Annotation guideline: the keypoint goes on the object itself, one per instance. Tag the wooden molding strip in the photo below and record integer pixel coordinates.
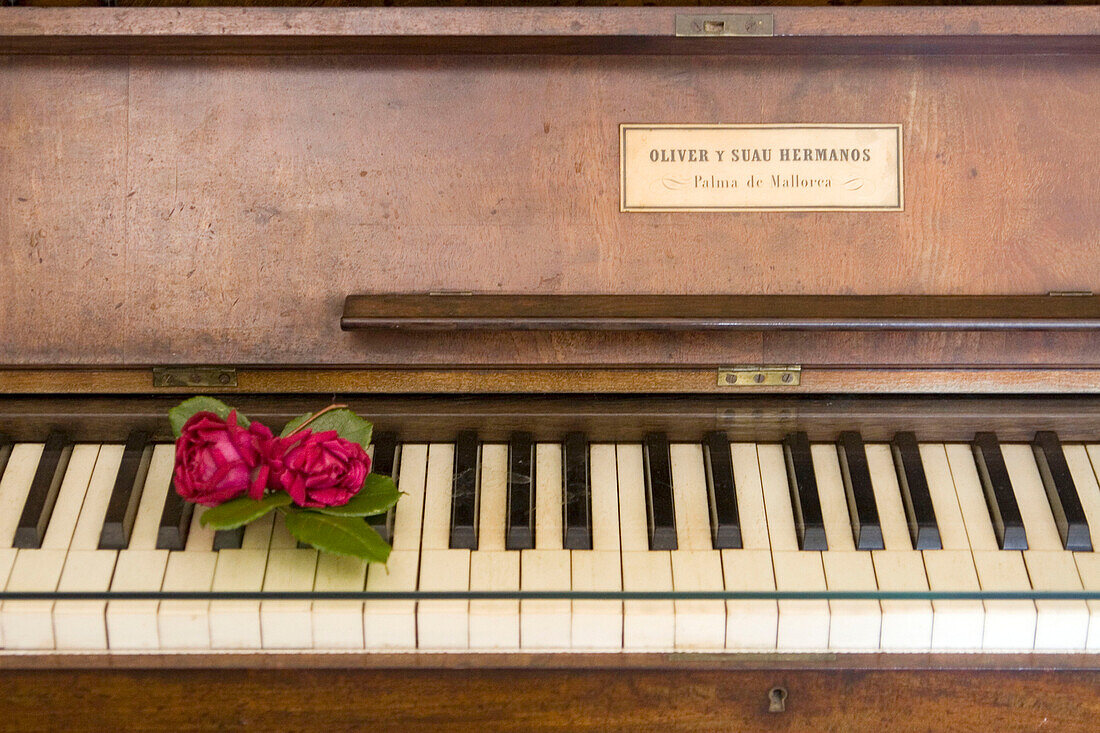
(472, 380)
(446, 312)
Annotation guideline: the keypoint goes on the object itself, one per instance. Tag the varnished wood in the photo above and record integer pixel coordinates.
(190, 171)
(599, 699)
(575, 379)
(508, 312)
(622, 418)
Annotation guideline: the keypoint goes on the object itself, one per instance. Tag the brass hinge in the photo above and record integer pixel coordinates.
(194, 377)
(725, 24)
(760, 376)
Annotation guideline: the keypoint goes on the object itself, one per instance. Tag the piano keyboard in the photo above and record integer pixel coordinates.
(584, 516)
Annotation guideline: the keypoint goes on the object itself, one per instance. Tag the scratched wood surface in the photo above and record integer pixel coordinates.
(219, 209)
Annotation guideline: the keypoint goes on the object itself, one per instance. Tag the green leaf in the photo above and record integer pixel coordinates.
(346, 423)
(338, 535)
(238, 512)
(378, 494)
(293, 424)
(181, 413)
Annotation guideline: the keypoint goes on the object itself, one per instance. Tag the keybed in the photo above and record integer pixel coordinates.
(584, 515)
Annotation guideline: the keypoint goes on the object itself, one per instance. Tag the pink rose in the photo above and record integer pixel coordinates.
(218, 460)
(320, 469)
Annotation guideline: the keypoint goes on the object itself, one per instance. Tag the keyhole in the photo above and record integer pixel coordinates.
(777, 700)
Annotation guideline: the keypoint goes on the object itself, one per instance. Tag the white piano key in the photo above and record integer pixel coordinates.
(603, 473)
(494, 624)
(82, 624)
(15, 484)
(777, 498)
(696, 566)
(186, 624)
(1088, 567)
(7, 561)
(596, 624)
(545, 624)
(803, 624)
(1084, 478)
(1060, 625)
(750, 624)
(409, 513)
(834, 503)
(235, 624)
(443, 624)
(339, 624)
(945, 503)
(133, 624)
(549, 496)
(29, 624)
(140, 567)
(956, 624)
(750, 497)
(853, 624)
(1027, 485)
(1009, 624)
(392, 624)
(436, 533)
(633, 527)
(287, 624)
(689, 497)
(699, 624)
(968, 491)
(648, 625)
(906, 625)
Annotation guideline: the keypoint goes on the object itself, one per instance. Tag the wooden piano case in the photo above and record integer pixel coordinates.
(261, 202)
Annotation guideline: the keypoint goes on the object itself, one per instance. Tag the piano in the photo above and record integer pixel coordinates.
(803, 437)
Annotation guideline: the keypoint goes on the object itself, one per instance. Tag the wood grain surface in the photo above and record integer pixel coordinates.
(545, 700)
(220, 208)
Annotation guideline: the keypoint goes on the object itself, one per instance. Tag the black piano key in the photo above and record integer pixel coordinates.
(383, 462)
(862, 509)
(122, 508)
(660, 510)
(1065, 503)
(229, 539)
(43, 492)
(1000, 499)
(809, 525)
(464, 492)
(521, 494)
(175, 521)
(577, 507)
(725, 524)
(915, 496)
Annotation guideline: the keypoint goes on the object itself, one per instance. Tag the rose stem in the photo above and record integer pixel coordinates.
(314, 417)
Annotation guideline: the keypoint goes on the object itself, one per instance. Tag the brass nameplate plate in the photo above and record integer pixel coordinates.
(760, 168)
(194, 377)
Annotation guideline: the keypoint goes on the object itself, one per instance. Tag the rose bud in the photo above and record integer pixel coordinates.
(218, 460)
(320, 469)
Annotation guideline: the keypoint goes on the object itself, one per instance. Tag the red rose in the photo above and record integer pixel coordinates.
(320, 469)
(218, 460)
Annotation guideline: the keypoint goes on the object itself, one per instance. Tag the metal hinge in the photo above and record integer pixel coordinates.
(725, 24)
(1070, 293)
(194, 377)
(760, 376)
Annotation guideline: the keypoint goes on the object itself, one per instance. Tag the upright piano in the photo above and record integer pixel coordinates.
(738, 366)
